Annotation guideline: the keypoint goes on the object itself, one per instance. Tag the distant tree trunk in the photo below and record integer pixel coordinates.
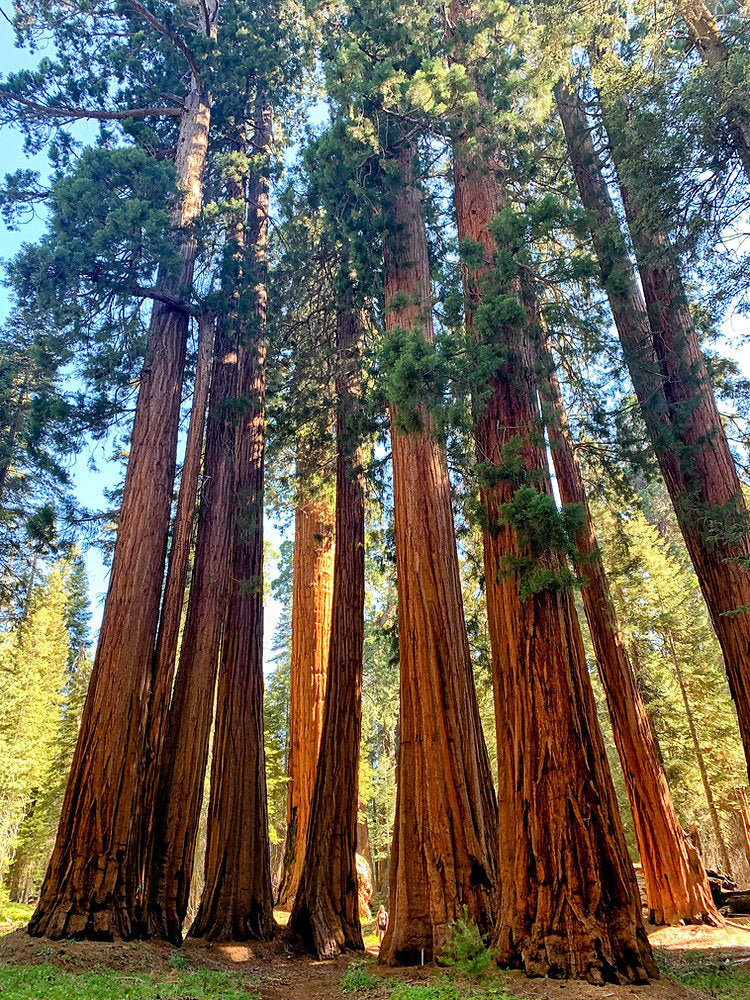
(700, 760)
(91, 888)
(363, 839)
(676, 885)
(744, 813)
(326, 912)
(174, 594)
(237, 902)
(569, 903)
(705, 35)
(445, 829)
(185, 751)
(677, 402)
(312, 594)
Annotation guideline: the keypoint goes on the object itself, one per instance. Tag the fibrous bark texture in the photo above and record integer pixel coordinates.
(91, 888)
(237, 902)
(326, 908)
(443, 857)
(174, 593)
(676, 885)
(186, 744)
(569, 899)
(676, 399)
(312, 596)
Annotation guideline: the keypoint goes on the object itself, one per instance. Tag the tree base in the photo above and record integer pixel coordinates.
(595, 960)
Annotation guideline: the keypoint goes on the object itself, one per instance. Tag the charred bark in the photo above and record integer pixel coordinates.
(443, 857)
(676, 885)
(237, 902)
(91, 888)
(326, 912)
(676, 399)
(312, 595)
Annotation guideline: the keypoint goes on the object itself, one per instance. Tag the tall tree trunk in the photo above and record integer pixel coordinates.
(669, 375)
(237, 903)
(699, 758)
(676, 885)
(569, 900)
(744, 812)
(91, 888)
(326, 912)
(186, 743)
(445, 829)
(705, 35)
(174, 595)
(312, 595)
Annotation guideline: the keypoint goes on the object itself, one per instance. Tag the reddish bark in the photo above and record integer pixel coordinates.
(91, 888)
(186, 743)
(326, 910)
(174, 591)
(443, 856)
(312, 595)
(676, 399)
(237, 902)
(569, 899)
(676, 885)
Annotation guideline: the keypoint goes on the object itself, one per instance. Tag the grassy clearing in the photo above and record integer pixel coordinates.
(714, 977)
(30, 982)
(13, 915)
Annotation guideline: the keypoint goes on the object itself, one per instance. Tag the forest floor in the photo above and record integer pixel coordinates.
(696, 963)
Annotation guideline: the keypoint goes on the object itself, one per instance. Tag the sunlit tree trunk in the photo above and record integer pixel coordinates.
(237, 902)
(700, 760)
(445, 830)
(569, 902)
(91, 888)
(312, 594)
(174, 591)
(676, 399)
(186, 743)
(676, 885)
(325, 912)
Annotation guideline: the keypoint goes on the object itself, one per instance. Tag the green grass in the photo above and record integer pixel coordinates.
(14, 915)
(32, 982)
(714, 978)
(358, 978)
(445, 990)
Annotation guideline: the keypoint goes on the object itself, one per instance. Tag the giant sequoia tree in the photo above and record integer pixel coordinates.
(236, 903)
(673, 388)
(561, 810)
(676, 885)
(326, 908)
(443, 856)
(92, 887)
(441, 331)
(312, 597)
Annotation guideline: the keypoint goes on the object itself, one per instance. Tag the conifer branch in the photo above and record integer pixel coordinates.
(66, 112)
(175, 39)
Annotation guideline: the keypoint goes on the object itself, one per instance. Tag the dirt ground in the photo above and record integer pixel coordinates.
(278, 974)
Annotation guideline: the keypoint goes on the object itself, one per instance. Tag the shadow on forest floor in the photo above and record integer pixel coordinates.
(696, 962)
